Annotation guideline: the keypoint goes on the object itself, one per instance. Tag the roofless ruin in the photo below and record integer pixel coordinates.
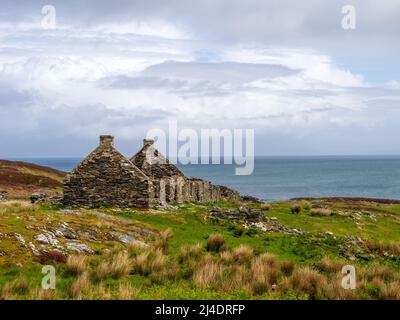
(105, 176)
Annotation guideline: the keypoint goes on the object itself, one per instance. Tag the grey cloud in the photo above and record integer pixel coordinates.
(141, 82)
(231, 72)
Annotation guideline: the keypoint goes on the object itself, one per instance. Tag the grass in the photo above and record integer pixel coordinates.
(117, 266)
(77, 264)
(194, 256)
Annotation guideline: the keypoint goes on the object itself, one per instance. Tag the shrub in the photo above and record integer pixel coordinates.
(295, 208)
(322, 212)
(76, 264)
(215, 243)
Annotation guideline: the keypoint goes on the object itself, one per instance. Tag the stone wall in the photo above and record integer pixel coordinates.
(228, 194)
(107, 177)
(199, 190)
(3, 195)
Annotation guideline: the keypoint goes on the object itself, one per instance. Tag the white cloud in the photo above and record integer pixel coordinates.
(125, 77)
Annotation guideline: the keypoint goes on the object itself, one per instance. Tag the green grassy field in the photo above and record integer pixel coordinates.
(183, 263)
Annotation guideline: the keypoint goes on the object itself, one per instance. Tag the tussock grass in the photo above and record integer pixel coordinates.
(159, 262)
(321, 212)
(141, 263)
(80, 285)
(295, 208)
(215, 243)
(18, 287)
(377, 272)
(308, 281)
(172, 269)
(265, 206)
(390, 291)
(327, 264)
(287, 267)
(163, 239)
(127, 292)
(209, 272)
(243, 253)
(391, 248)
(226, 257)
(77, 264)
(264, 272)
(99, 292)
(189, 252)
(17, 206)
(117, 266)
(42, 294)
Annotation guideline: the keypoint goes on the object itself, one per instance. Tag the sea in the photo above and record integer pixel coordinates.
(285, 177)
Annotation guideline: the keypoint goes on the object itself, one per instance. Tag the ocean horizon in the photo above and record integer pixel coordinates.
(285, 177)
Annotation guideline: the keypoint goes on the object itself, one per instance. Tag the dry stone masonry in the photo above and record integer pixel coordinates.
(147, 179)
(3, 195)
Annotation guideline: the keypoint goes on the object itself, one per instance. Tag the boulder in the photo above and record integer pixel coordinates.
(79, 247)
(243, 213)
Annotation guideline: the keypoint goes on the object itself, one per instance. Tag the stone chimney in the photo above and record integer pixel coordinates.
(148, 142)
(107, 141)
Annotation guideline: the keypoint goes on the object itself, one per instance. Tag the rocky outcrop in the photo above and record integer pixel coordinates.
(243, 213)
(253, 218)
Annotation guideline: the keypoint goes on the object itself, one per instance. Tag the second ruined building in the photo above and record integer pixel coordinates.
(146, 180)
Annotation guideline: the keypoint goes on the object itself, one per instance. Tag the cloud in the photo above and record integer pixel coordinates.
(126, 68)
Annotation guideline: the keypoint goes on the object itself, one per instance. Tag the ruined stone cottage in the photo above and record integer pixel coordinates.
(147, 179)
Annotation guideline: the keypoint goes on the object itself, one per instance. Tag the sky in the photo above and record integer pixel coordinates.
(286, 69)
